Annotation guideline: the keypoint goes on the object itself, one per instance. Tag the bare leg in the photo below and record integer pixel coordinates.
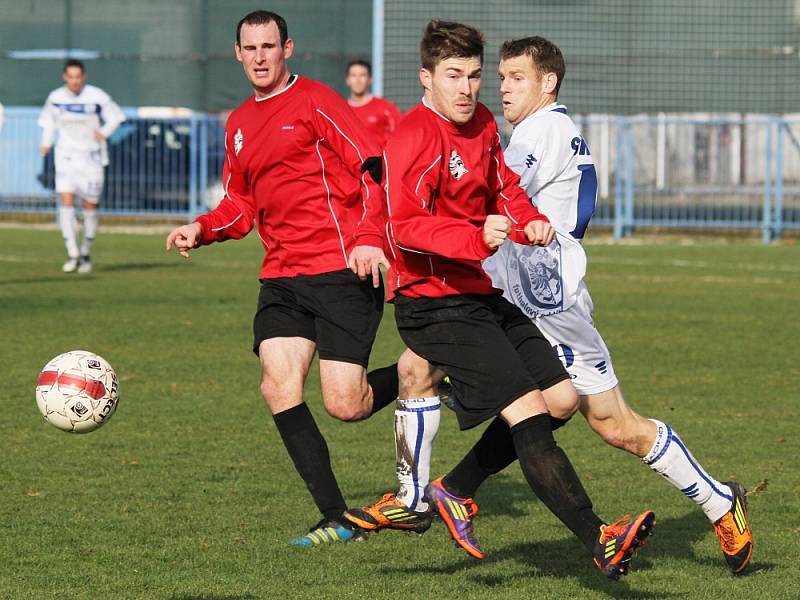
(658, 446)
(284, 365)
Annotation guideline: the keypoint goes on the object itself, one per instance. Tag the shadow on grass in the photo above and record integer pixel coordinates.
(77, 279)
(137, 266)
(64, 278)
(565, 558)
(559, 559)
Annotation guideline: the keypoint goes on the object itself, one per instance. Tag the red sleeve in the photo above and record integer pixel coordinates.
(412, 161)
(344, 135)
(512, 201)
(233, 217)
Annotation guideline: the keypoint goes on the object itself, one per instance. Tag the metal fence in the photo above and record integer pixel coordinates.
(685, 172)
(695, 171)
(158, 165)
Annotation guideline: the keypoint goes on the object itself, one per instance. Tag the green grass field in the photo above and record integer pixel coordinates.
(188, 493)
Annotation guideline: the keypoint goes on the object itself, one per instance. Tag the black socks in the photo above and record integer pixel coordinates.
(553, 479)
(309, 453)
(492, 453)
(384, 383)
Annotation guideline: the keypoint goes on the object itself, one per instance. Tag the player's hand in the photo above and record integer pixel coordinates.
(495, 230)
(99, 136)
(184, 238)
(365, 260)
(43, 150)
(540, 233)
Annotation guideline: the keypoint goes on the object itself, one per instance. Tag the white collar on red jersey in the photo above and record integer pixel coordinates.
(429, 107)
(292, 80)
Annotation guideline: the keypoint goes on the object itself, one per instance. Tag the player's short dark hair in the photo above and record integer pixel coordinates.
(263, 17)
(546, 56)
(443, 39)
(74, 62)
(359, 62)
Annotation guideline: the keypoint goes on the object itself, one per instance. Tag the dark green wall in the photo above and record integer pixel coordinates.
(623, 56)
(174, 53)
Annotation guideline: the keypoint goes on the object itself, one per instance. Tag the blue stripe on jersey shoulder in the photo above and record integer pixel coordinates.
(560, 109)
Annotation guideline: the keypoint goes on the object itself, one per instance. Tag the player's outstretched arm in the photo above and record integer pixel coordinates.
(184, 238)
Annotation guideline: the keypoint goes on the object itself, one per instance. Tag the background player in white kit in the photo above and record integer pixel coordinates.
(557, 171)
(84, 117)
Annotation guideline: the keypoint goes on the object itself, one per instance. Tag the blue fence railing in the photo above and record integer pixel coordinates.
(158, 165)
(671, 171)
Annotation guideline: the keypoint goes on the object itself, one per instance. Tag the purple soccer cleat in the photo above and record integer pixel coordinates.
(457, 513)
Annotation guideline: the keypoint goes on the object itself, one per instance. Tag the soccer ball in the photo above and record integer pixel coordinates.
(77, 391)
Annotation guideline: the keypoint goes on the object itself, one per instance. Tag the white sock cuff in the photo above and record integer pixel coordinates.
(418, 404)
(663, 439)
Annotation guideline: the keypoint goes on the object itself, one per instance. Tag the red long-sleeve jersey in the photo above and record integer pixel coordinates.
(379, 116)
(293, 166)
(443, 180)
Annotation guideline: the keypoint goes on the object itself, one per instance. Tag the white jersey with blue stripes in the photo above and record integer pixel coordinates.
(557, 171)
(76, 117)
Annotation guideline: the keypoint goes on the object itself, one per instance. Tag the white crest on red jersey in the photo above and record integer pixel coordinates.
(457, 167)
(238, 141)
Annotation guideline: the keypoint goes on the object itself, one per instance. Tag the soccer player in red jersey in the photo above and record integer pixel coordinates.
(300, 168)
(379, 116)
(452, 201)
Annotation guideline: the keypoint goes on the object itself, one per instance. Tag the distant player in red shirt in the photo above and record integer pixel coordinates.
(300, 168)
(452, 201)
(380, 117)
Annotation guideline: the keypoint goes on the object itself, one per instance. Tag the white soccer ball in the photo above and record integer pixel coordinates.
(77, 391)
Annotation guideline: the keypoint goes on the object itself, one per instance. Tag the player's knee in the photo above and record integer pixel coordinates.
(347, 411)
(561, 399)
(347, 404)
(278, 395)
(414, 373)
(269, 392)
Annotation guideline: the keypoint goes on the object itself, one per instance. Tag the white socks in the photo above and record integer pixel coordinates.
(89, 230)
(671, 459)
(69, 229)
(416, 423)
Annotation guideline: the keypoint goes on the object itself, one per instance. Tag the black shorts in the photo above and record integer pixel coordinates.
(336, 310)
(491, 351)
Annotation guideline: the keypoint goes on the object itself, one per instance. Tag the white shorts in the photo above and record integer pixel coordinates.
(80, 174)
(580, 346)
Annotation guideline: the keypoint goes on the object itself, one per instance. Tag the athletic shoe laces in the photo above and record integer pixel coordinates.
(615, 529)
(388, 498)
(472, 508)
